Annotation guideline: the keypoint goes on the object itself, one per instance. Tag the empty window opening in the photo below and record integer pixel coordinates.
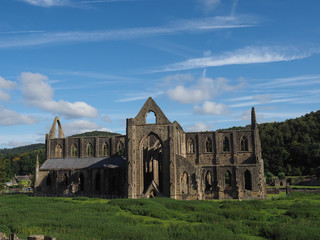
(208, 181)
(228, 178)
(244, 143)
(48, 181)
(190, 147)
(98, 182)
(151, 118)
(105, 149)
(89, 150)
(65, 179)
(185, 183)
(208, 145)
(74, 150)
(226, 145)
(58, 151)
(81, 182)
(247, 180)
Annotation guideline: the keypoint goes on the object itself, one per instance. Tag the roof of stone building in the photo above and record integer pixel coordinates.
(23, 178)
(81, 163)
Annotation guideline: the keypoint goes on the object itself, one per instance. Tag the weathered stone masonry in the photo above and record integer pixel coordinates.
(155, 159)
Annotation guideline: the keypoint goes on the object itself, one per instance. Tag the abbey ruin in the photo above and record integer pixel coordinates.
(155, 159)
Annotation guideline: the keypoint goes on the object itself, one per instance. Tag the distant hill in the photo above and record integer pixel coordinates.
(95, 133)
(22, 149)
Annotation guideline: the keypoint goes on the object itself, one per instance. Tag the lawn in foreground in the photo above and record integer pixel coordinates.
(293, 217)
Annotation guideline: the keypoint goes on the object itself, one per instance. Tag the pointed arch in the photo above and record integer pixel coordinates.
(228, 178)
(151, 148)
(58, 151)
(244, 144)
(90, 150)
(226, 144)
(190, 146)
(74, 150)
(185, 183)
(52, 133)
(121, 149)
(208, 145)
(247, 180)
(208, 181)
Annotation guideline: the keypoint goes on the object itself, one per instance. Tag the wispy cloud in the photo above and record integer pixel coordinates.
(10, 118)
(248, 55)
(194, 25)
(204, 90)
(47, 3)
(108, 1)
(140, 96)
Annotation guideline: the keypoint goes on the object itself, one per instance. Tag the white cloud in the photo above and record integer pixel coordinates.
(9, 118)
(4, 96)
(208, 5)
(200, 127)
(210, 108)
(248, 55)
(205, 89)
(182, 26)
(38, 93)
(47, 3)
(6, 84)
(81, 126)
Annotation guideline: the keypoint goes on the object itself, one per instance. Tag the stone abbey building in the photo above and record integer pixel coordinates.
(154, 159)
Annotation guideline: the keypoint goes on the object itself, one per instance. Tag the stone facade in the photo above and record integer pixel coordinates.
(155, 159)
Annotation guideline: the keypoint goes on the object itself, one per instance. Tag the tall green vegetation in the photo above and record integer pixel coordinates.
(294, 217)
(293, 146)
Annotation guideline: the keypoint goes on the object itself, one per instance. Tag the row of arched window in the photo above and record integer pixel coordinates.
(89, 150)
(209, 181)
(244, 146)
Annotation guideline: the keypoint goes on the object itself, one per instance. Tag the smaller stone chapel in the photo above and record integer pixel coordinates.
(156, 159)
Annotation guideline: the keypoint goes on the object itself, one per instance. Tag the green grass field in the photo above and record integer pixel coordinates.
(281, 217)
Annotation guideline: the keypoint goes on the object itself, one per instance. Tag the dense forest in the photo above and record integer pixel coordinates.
(291, 148)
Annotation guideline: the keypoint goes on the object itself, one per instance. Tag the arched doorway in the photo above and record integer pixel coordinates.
(152, 161)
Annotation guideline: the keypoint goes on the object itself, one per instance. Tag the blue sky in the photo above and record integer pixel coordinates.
(205, 62)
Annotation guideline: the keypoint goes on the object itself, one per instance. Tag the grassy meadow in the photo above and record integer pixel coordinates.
(294, 217)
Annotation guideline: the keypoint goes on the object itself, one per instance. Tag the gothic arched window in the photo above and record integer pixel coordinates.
(247, 180)
(228, 178)
(208, 181)
(244, 143)
(185, 183)
(226, 144)
(74, 150)
(105, 149)
(190, 146)
(90, 150)
(208, 145)
(58, 151)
